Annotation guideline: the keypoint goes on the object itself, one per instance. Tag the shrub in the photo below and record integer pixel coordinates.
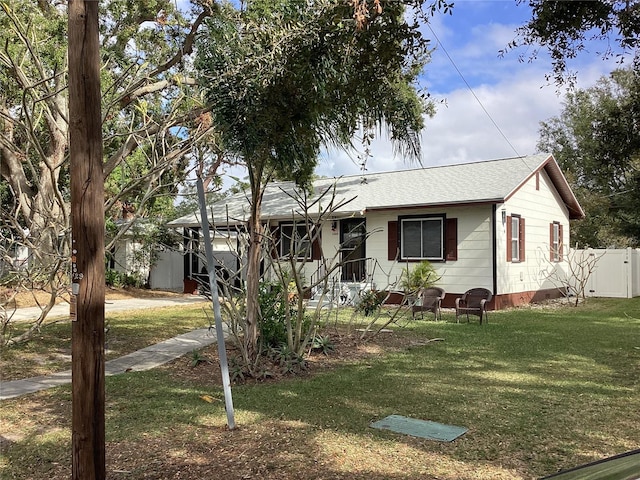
(117, 279)
(113, 278)
(370, 302)
(288, 361)
(273, 327)
(323, 344)
(423, 275)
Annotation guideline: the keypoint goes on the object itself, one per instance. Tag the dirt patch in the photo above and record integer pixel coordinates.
(346, 346)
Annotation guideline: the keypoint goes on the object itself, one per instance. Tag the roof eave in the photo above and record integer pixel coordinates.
(462, 203)
(551, 167)
(564, 189)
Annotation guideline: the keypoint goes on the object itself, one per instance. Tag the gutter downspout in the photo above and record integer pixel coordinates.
(494, 241)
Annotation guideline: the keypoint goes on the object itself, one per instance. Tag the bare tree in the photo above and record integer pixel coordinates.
(573, 279)
(290, 269)
(152, 116)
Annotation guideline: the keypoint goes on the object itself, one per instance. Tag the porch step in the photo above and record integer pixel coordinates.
(344, 294)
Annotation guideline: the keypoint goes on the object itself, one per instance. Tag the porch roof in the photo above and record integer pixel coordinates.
(485, 182)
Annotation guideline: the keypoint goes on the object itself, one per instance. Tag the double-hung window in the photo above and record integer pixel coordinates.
(515, 238)
(555, 241)
(422, 238)
(295, 240)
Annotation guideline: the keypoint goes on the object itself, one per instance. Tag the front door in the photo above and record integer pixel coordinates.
(352, 249)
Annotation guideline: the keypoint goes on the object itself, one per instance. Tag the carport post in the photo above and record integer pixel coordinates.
(213, 288)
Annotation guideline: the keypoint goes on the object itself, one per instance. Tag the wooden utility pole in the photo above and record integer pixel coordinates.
(87, 242)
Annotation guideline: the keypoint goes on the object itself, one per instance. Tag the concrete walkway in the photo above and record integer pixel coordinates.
(144, 359)
(62, 309)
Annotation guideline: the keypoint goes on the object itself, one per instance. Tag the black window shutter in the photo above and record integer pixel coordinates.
(316, 252)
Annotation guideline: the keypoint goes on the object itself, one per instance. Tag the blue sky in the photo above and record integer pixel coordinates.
(500, 115)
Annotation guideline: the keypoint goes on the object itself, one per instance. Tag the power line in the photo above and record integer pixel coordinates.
(472, 92)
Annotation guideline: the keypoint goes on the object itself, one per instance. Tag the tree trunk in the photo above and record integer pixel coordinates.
(253, 273)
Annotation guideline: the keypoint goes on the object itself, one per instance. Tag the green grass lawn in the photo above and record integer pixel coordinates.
(50, 350)
(539, 390)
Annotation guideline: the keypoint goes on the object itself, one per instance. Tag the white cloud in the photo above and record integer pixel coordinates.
(514, 94)
(461, 131)
(505, 122)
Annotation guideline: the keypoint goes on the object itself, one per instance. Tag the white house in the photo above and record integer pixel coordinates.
(499, 224)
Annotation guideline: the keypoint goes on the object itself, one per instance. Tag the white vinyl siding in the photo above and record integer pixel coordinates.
(539, 207)
(473, 266)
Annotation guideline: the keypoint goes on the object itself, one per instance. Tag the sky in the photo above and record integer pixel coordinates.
(488, 106)
(498, 114)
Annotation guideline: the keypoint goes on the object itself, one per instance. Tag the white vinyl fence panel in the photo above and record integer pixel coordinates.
(616, 273)
(167, 273)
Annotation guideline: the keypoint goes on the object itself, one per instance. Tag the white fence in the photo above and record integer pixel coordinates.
(167, 273)
(616, 273)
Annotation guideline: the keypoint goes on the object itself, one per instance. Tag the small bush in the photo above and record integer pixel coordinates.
(237, 370)
(323, 344)
(116, 279)
(113, 279)
(288, 361)
(197, 358)
(273, 305)
(370, 302)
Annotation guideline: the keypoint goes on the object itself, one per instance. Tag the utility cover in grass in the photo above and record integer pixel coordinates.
(420, 428)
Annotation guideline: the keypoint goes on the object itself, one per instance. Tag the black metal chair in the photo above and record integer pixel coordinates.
(474, 302)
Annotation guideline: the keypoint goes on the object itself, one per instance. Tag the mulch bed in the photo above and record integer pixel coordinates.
(347, 347)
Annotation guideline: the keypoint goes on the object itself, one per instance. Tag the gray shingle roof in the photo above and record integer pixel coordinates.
(480, 182)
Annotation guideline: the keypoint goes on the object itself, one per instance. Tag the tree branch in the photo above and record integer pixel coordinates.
(132, 141)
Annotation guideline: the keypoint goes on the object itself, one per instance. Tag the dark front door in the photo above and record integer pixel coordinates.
(352, 252)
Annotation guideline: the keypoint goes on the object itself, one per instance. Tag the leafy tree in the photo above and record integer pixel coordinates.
(596, 140)
(285, 77)
(152, 116)
(566, 28)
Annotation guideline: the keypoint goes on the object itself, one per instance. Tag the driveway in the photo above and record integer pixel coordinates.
(62, 309)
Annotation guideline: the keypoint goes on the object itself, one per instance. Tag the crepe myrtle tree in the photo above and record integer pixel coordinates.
(284, 319)
(290, 265)
(284, 78)
(295, 269)
(571, 274)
